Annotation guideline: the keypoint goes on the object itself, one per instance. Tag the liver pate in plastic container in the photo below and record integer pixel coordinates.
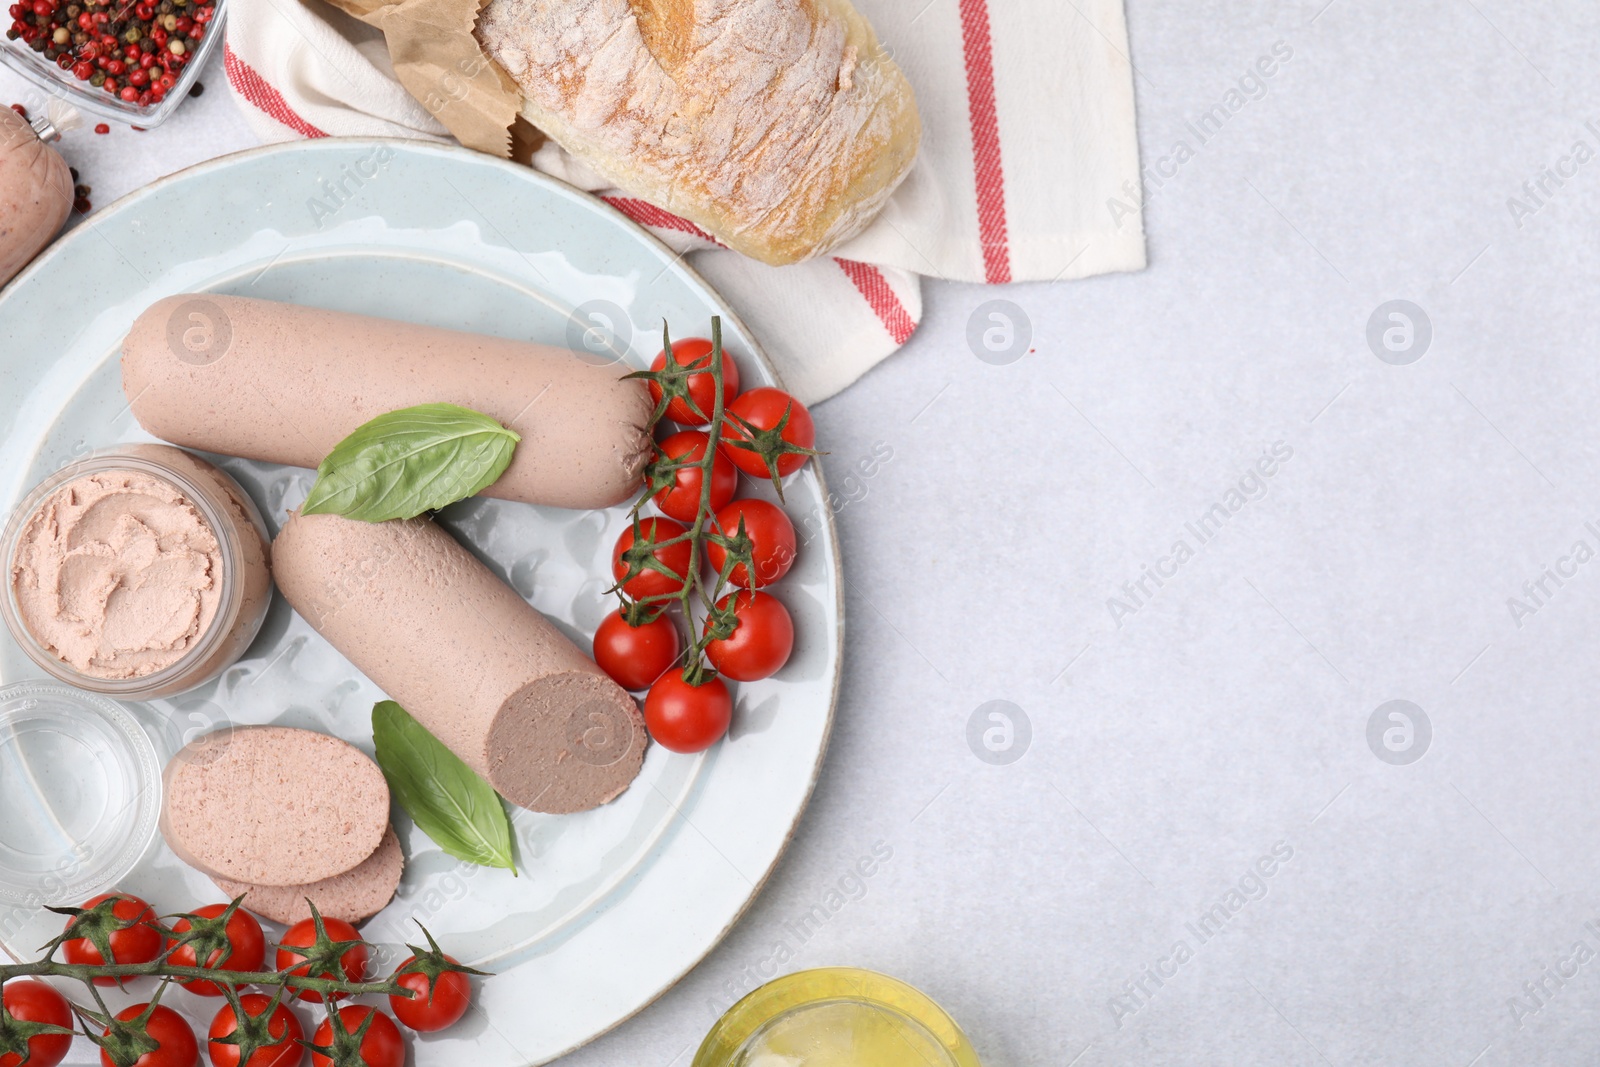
(139, 572)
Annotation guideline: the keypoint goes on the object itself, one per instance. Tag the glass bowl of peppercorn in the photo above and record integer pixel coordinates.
(127, 61)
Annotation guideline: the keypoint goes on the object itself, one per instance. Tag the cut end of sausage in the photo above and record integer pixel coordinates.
(273, 806)
(354, 896)
(567, 742)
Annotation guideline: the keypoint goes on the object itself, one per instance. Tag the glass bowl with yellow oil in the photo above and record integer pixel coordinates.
(836, 1017)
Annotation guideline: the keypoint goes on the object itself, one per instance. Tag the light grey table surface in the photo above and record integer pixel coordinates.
(1433, 910)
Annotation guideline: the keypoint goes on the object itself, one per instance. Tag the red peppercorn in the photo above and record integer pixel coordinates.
(42, 7)
(115, 66)
(19, 109)
(130, 94)
(145, 11)
(157, 93)
(139, 78)
(83, 71)
(16, 11)
(166, 81)
(102, 128)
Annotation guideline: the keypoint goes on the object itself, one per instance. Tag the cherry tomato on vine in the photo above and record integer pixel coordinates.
(304, 933)
(381, 1046)
(437, 1004)
(681, 500)
(695, 352)
(763, 409)
(760, 645)
(634, 656)
(687, 718)
(32, 1001)
(175, 1043)
(772, 541)
(288, 1053)
(674, 557)
(247, 948)
(139, 943)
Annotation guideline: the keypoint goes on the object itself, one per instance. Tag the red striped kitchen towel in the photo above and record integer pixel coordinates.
(1028, 156)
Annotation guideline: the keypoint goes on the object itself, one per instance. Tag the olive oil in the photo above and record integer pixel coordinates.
(836, 1017)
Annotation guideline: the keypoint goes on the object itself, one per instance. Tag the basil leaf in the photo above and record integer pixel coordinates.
(444, 797)
(417, 459)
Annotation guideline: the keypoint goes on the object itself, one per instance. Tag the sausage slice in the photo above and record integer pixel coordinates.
(273, 806)
(356, 895)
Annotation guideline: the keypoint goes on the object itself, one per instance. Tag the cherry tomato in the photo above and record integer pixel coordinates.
(695, 352)
(760, 645)
(437, 1005)
(764, 409)
(674, 557)
(382, 1045)
(772, 541)
(175, 1043)
(681, 500)
(634, 656)
(303, 933)
(288, 1053)
(247, 948)
(139, 943)
(687, 718)
(35, 1002)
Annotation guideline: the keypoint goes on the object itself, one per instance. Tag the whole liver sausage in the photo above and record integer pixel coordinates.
(35, 194)
(284, 384)
(468, 657)
(272, 805)
(357, 894)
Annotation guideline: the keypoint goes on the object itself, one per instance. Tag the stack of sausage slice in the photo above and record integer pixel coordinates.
(281, 816)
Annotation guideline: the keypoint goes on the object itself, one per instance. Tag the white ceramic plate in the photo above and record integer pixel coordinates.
(612, 905)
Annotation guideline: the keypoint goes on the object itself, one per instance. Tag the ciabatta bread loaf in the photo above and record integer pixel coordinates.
(779, 126)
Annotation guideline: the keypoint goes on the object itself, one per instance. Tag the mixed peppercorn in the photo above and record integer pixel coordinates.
(133, 49)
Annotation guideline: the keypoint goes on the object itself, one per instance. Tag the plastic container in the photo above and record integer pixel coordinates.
(836, 1017)
(81, 791)
(99, 103)
(245, 581)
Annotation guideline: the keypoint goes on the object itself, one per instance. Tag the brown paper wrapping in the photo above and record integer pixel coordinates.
(440, 62)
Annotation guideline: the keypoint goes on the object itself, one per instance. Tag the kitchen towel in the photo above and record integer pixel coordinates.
(1029, 168)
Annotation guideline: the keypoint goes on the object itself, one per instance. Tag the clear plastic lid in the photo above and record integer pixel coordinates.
(80, 790)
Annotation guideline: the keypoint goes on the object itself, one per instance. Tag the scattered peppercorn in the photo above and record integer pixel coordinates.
(197, 88)
(102, 128)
